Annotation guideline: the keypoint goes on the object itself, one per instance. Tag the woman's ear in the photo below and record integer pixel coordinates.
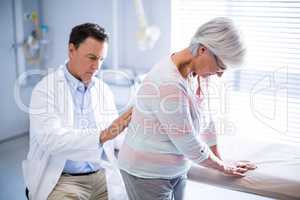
(201, 50)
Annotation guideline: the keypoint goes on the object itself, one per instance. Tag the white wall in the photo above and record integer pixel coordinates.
(12, 120)
(158, 12)
(61, 16)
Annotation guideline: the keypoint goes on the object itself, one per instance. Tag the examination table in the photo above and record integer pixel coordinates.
(277, 175)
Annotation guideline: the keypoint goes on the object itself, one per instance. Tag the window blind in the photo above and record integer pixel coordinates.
(270, 76)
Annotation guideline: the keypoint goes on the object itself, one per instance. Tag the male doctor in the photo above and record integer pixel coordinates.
(73, 127)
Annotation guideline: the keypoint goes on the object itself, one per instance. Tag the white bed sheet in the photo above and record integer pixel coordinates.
(277, 175)
(196, 191)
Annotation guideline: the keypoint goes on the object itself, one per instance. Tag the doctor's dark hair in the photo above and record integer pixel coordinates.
(80, 32)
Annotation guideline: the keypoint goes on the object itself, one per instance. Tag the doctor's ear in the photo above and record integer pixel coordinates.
(71, 49)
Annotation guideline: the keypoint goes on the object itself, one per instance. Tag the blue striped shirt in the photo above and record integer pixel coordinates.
(83, 118)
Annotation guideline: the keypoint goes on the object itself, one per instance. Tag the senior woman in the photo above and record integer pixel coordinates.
(167, 120)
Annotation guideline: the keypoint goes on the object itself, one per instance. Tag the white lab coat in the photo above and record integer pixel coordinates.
(53, 140)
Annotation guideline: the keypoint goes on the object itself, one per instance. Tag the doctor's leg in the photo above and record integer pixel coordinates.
(70, 188)
(100, 187)
(86, 187)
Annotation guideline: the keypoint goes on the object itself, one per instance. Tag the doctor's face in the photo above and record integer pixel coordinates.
(85, 61)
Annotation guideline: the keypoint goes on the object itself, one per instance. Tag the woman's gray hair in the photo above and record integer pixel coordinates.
(222, 38)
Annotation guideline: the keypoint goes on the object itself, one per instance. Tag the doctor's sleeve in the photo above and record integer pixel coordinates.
(111, 106)
(47, 128)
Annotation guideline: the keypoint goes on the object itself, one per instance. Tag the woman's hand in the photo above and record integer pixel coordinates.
(237, 169)
(233, 170)
(117, 126)
(245, 164)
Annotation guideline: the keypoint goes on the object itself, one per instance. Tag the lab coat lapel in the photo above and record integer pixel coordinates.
(65, 100)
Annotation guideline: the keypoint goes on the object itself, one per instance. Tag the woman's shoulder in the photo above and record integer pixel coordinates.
(165, 72)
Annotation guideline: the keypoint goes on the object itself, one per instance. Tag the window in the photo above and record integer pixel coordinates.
(263, 95)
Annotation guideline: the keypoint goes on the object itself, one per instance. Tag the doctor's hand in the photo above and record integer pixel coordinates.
(117, 126)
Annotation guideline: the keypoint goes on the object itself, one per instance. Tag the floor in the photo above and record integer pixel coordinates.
(12, 153)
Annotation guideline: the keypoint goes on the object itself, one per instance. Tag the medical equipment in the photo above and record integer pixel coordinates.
(147, 35)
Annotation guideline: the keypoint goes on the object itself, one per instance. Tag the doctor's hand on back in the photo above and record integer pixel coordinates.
(116, 127)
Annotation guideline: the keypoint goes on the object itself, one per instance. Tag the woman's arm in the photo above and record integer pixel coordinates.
(215, 150)
(229, 169)
(242, 164)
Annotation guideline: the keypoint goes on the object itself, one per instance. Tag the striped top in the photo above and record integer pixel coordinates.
(168, 126)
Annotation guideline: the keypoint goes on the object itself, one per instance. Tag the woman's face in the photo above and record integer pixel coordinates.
(207, 64)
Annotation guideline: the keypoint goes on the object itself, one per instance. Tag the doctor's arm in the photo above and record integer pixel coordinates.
(117, 122)
(48, 130)
(117, 126)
